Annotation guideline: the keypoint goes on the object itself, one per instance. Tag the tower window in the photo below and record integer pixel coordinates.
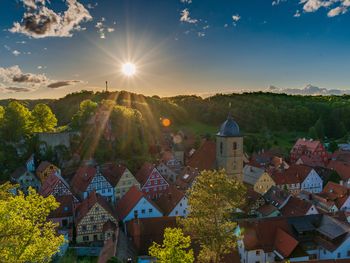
(234, 146)
(221, 147)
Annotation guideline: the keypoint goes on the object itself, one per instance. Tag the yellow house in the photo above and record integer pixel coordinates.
(94, 217)
(260, 180)
(45, 169)
(121, 178)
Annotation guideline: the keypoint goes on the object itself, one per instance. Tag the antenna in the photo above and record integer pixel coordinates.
(106, 86)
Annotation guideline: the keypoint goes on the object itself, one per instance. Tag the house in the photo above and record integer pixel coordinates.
(134, 204)
(173, 203)
(312, 161)
(276, 197)
(303, 238)
(89, 178)
(322, 204)
(258, 178)
(167, 172)
(153, 184)
(310, 148)
(57, 186)
(204, 158)
(297, 178)
(186, 178)
(267, 210)
(298, 207)
(342, 169)
(121, 178)
(172, 161)
(91, 216)
(337, 193)
(145, 231)
(64, 215)
(45, 169)
(25, 179)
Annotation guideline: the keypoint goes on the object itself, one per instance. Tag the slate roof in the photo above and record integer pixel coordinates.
(252, 174)
(204, 158)
(276, 196)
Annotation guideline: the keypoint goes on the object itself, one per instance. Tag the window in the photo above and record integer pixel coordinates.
(83, 227)
(180, 204)
(143, 211)
(150, 210)
(176, 212)
(85, 238)
(136, 213)
(257, 252)
(338, 255)
(103, 191)
(91, 218)
(348, 253)
(94, 227)
(234, 146)
(103, 217)
(221, 147)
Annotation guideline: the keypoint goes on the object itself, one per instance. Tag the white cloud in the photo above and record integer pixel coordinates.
(277, 2)
(186, 1)
(102, 29)
(339, 10)
(16, 53)
(297, 14)
(39, 21)
(186, 17)
(236, 17)
(335, 7)
(13, 79)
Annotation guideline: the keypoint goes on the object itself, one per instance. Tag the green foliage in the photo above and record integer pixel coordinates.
(87, 109)
(334, 177)
(16, 121)
(175, 248)
(42, 119)
(25, 233)
(212, 200)
(2, 112)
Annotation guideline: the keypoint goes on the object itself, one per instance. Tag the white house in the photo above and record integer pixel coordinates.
(173, 203)
(134, 204)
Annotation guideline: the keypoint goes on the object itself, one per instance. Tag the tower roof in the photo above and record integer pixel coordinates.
(229, 128)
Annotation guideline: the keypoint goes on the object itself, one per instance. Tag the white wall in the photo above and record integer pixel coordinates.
(143, 204)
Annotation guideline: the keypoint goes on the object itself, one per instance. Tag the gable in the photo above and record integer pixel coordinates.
(95, 210)
(97, 181)
(265, 178)
(155, 175)
(312, 177)
(126, 176)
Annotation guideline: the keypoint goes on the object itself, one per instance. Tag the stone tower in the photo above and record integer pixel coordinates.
(229, 148)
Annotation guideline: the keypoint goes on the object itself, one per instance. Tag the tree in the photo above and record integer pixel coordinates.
(16, 121)
(25, 233)
(175, 248)
(87, 109)
(2, 112)
(319, 127)
(42, 119)
(212, 201)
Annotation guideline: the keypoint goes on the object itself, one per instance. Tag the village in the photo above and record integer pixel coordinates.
(297, 208)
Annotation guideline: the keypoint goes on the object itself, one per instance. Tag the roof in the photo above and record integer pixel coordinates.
(294, 174)
(251, 174)
(50, 182)
(144, 172)
(145, 231)
(109, 225)
(168, 201)
(276, 196)
(229, 128)
(332, 228)
(43, 166)
(267, 209)
(295, 207)
(83, 178)
(336, 192)
(129, 201)
(313, 161)
(113, 172)
(205, 157)
(186, 177)
(310, 145)
(285, 243)
(84, 207)
(343, 169)
(65, 209)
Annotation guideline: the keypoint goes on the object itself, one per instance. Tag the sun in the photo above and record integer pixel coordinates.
(129, 69)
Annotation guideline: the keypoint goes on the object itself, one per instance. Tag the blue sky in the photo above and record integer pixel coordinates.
(178, 47)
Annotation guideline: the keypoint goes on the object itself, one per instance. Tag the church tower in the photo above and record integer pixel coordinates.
(229, 148)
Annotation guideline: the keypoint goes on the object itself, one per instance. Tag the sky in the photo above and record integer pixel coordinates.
(52, 48)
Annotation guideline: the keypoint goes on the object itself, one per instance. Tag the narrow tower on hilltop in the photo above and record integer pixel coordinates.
(229, 148)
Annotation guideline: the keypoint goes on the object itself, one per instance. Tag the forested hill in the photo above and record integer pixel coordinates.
(318, 116)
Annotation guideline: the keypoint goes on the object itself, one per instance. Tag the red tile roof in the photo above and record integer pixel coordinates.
(295, 207)
(83, 178)
(128, 202)
(336, 192)
(313, 161)
(84, 207)
(186, 177)
(144, 172)
(168, 201)
(42, 166)
(294, 174)
(285, 243)
(65, 209)
(343, 169)
(145, 231)
(267, 209)
(205, 157)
